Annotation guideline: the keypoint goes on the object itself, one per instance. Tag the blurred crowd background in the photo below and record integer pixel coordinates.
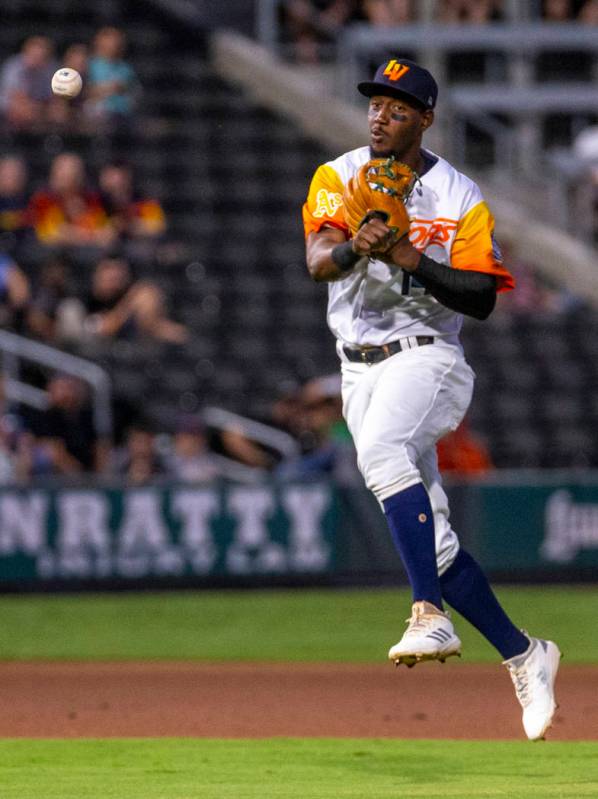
(312, 27)
(152, 228)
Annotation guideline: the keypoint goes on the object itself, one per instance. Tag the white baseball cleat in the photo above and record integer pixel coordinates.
(429, 636)
(533, 674)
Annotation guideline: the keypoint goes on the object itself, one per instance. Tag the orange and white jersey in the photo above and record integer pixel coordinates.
(450, 222)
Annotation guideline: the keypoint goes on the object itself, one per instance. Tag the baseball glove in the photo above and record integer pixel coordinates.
(381, 188)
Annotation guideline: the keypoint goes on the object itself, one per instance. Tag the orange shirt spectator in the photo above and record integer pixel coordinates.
(463, 453)
(67, 213)
(131, 214)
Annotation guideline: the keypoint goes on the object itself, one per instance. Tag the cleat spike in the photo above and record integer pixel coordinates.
(429, 636)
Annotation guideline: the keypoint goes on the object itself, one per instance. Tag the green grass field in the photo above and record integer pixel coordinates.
(295, 769)
(314, 625)
(310, 625)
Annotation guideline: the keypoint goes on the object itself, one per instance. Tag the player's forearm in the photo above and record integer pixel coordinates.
(328, 261)
(324, 270)
(467, 292)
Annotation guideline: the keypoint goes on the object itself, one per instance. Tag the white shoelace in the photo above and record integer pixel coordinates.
(520, 679)
(420, 622)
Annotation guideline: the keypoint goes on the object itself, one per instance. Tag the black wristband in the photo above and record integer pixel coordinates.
(344, 256)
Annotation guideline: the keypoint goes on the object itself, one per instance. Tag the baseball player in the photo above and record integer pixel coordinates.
(401, 274)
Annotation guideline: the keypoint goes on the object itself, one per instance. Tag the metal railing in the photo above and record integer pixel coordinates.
(277, 440)
(268, 32)
(497, 124)
(14, 349)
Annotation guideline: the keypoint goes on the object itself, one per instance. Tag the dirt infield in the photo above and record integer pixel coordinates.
(261, 700)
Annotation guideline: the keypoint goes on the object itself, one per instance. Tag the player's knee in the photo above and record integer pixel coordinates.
(386, 467)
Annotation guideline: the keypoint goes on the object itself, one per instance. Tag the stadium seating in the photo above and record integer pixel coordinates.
(232, 178)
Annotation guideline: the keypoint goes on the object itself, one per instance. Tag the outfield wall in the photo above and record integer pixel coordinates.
(523, 526)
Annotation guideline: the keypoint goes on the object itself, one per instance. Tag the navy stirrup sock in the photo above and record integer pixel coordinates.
(465, 588)
(409, 516)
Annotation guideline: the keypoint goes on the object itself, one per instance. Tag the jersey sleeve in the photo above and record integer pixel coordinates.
(324, 205)
(476, 249)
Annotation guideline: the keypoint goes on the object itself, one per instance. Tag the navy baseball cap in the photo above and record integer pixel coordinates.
(402, 77)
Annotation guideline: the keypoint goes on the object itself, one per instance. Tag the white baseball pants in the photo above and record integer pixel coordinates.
(396, 411)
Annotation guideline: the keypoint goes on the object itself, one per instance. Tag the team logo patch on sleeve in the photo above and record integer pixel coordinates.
(327, 203)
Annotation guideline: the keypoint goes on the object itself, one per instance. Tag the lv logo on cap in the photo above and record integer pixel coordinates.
(394, 70)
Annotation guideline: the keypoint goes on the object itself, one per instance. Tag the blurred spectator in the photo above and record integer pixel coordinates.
(76, 56)
(190, 461)
(117, 305)
(17, 456)
(474, 11)
(113, 86)
(54, 303)
(585, 145)
(530, 293)
(313, 25)
(588, 13)
(139, 462)
(66, 430)
(14, 216)
(26, 98)
(535, 295)
(557, 10)
(323, 406)
(331, 450)
(67, 213)
(585, 11)
(288, 413)
(388, 13)
(585, 148)
(138, 221)
(233, 443)
(14, 294)
(462, 452)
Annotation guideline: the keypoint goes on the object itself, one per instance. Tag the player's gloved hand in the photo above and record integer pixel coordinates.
(379, 189)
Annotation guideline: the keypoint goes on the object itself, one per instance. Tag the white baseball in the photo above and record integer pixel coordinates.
(66, 82)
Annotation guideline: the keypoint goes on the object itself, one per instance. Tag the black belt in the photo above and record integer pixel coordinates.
(372, 355)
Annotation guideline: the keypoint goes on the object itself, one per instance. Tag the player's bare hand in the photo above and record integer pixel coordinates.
(402, 254)
(373, 237)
